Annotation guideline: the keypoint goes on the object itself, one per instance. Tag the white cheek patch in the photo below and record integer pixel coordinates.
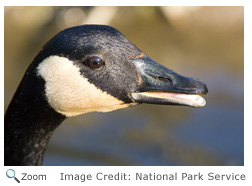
(69, 93)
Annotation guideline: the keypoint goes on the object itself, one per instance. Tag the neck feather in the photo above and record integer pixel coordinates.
(29, 123)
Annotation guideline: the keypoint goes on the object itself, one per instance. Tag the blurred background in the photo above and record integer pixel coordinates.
(201, 42)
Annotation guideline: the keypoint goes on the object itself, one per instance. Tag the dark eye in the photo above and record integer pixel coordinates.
(94, 62)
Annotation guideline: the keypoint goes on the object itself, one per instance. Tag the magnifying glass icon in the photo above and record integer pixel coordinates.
(10, 173)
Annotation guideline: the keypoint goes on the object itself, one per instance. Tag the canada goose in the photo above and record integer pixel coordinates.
(89, 68)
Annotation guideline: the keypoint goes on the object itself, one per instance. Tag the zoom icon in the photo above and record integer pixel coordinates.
(10, 173)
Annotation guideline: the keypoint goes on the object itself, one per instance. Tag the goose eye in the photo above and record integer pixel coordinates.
(94, 62)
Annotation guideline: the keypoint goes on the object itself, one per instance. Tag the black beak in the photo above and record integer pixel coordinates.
(160, 85)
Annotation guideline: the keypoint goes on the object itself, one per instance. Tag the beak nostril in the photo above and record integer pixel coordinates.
(165, 79)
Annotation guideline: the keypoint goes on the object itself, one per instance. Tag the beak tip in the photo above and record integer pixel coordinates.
(205, 89)
(201, 87)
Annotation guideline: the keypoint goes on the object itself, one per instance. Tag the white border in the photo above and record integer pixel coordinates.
(53, 172)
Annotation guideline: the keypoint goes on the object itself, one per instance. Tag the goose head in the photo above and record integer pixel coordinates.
(94, 68)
